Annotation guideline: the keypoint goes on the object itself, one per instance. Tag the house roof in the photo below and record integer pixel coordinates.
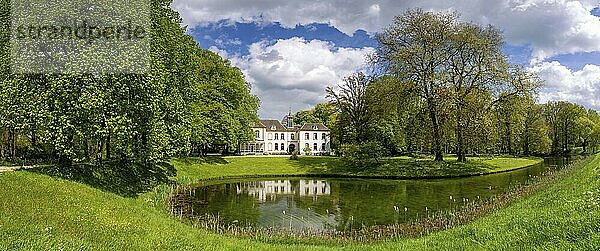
(273, 125)
(314, 127)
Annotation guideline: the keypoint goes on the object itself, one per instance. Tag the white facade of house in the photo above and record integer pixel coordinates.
(273, 137)
(314, 141)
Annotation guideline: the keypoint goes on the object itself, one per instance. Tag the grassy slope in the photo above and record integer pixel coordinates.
(564, 216)
(46, 213)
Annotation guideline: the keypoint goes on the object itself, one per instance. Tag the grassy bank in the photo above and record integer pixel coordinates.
(192, 169)
(41, 212)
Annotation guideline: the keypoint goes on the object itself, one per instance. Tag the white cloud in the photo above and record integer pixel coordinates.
(293, 73)
(561, 83)
(219, 52)
(551, 27)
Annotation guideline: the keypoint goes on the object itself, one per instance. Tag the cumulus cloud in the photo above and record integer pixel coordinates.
(549, 27)
(293, 73)
(561, 83)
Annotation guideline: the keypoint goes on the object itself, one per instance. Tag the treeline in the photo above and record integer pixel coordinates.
(190, 101)
(444, 86)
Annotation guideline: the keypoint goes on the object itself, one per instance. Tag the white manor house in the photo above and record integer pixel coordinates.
(274, 137)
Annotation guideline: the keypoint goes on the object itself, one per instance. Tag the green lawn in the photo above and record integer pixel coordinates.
(192, 169)
(41, 212)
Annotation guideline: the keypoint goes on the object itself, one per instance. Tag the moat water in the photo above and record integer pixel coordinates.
(328, 204)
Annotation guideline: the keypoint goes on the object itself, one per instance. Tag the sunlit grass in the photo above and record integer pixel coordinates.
(192, 169)
(40, 212)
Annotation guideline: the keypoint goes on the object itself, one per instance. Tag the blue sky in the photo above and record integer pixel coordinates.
(290, 51)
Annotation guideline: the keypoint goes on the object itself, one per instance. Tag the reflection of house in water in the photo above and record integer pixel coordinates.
(314, 187)
(263, 190)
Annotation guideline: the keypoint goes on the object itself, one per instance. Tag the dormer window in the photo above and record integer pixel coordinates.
(273, 127)
(314, 127)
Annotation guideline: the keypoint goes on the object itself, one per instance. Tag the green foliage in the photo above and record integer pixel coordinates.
(294, 155)
(350, 100)
(307, 150)
(322, 113)
(453, 93)
(562, 118)
(190, 100)
(361, 156)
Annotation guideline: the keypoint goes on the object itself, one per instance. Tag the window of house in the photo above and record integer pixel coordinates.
(315, 146)
(282, 136)
(323, 136)
(270, 136)
(270, 147)
(257, 133)
(272, 127)
(315, 136)
(307, 136)
(306, 146)
(323, 147)
(276, 146)
(282, 147)
(314, 127)
(276, 136)
(292, 136)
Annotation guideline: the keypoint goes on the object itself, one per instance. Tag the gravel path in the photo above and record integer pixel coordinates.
(15, 168)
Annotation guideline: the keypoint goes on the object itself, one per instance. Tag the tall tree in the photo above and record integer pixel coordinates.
(535, 137)
(475, 63)
(415, 49)
(350, 101)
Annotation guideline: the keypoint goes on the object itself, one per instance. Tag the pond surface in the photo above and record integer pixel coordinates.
(324, 204)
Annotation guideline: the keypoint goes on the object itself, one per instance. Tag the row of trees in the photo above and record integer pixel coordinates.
(190, 100)
(444, 86)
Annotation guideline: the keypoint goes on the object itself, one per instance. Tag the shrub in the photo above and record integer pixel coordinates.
(363, 155)
(306, 150)
(294, 155)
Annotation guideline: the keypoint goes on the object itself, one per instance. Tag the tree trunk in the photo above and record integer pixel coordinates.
(1, 144)
(107, 145)
(86, 148)
(509, 148)
(437, 141)
(555, 141)
(13, 144)
(566, 136)
(526, 139)
(98, 153)
(526, 145)
(459, 136)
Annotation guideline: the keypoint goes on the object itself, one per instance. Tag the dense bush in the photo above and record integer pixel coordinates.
(294, 155)
(362, 155)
